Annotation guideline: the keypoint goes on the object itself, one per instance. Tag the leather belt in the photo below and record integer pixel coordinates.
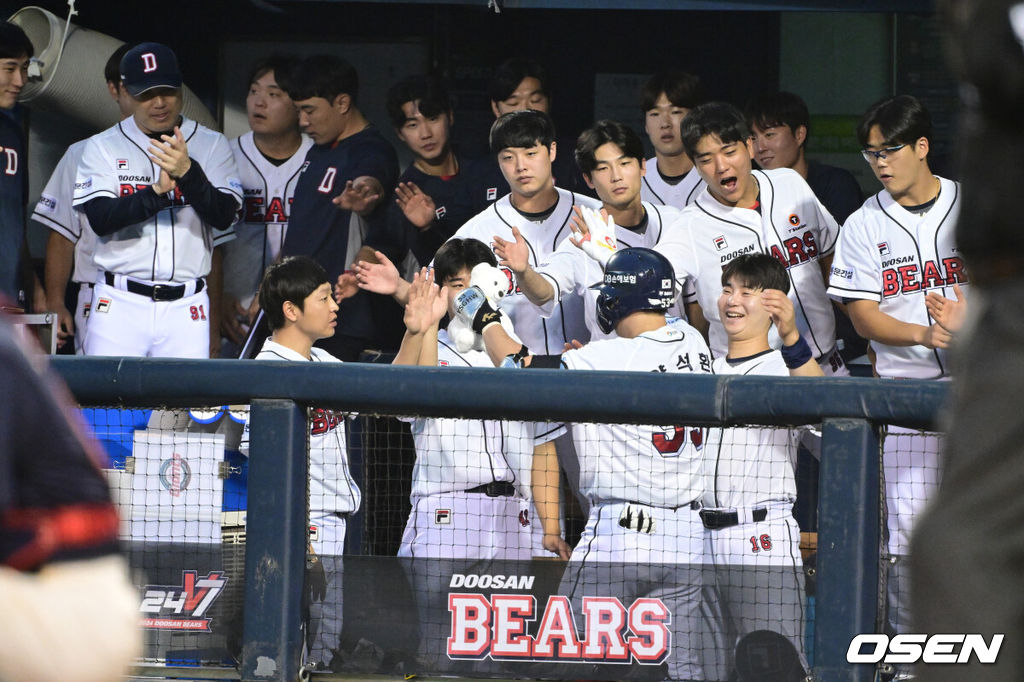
(156, 292)
(495, 489)
(717, 520)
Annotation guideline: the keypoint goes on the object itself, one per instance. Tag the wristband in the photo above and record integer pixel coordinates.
(796, 355)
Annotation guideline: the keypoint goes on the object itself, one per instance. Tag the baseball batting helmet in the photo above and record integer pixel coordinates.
(634, 279)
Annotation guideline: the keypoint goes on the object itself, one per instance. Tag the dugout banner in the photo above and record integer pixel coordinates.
(548, 619)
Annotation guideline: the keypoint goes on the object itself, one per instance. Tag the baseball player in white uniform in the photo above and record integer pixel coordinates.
(269, 158)
(896, 260)
(667, 98)
(643, 537)
(471, 488)
(610, 155)
(748, 211)
(70, 244)
(752, 539)
(296, 298)
(160, 191)
(70, 231)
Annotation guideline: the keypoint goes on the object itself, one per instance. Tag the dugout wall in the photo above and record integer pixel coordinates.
(269, 592)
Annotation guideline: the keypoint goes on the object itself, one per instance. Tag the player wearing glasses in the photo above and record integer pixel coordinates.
(899, 271)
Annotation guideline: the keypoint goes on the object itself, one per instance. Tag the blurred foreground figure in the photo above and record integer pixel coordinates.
(73, 611)
(968, 552)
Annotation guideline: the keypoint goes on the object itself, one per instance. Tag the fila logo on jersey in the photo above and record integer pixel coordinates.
(883, 249)
(103, 305)
(492, 193)
(440, 212)
(122, 164)
(148, 62)
(11, 167)
(442, 517)
(720, 243)
(906, 279)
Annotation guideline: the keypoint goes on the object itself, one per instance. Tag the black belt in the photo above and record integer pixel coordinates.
(157, 292)
(717, 520)
(495, 489)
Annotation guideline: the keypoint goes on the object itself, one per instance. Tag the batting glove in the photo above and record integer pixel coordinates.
(600, 243)
(473, 307)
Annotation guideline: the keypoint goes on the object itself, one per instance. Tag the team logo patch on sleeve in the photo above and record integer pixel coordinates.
(442, 517)
(492, 193)
(720, 242)
(103, 305)
(122, 164)
(883, 248)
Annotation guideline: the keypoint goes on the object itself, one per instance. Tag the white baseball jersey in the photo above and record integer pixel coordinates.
(895, 257)
(260, 231)
(791, 225)
(571, 271)
(657, 191)
(174, 245)
(566, 320)
(331, 486)
(652, 465)
(752, 466)
(458, 454)
(54, 210)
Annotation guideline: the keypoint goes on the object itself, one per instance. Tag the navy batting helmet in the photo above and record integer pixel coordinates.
(634, 279)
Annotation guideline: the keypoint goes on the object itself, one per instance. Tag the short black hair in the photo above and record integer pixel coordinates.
(112, 69)
(778, 109)
(511, 72)
(721, 119)
(757, 271)
(601, 133)
(281, 64)
(293, 279)
(321, 75)
(682, 89)
(901, 120)
(456, 254)
(14, 44)
(524, 128)
(432, 95)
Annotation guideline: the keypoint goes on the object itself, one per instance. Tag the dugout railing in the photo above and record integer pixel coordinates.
(849, 410)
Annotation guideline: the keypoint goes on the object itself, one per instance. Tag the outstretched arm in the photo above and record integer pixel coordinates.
(515, 255)
(546, 485)
(427, 305)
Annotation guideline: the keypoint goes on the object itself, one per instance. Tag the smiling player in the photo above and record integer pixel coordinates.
(749, 211)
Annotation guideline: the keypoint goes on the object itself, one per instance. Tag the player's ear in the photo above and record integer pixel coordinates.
(451, 118)
(112, 89)
(643, 167)
(800, 134)
(921, 147)
(495, 109)
(552, 151)
(750, 146)
(290, 310)
(342, 102)
(586, 179)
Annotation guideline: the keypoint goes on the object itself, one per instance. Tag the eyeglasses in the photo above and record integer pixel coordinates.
(871, 156)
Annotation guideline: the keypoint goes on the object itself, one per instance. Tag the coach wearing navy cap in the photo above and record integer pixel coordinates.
(160, 191)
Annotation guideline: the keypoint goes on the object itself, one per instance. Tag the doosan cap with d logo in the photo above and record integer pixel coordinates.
(147, 66)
